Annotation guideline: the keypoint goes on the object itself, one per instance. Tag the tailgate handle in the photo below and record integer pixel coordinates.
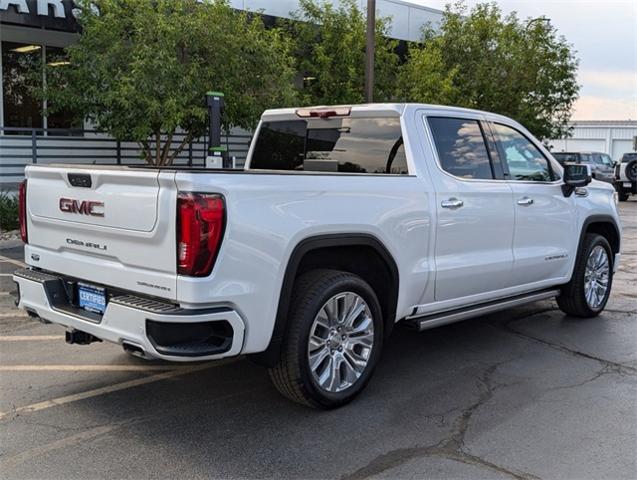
(80, 180)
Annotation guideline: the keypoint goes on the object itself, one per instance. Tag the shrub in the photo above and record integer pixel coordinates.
(8, 211)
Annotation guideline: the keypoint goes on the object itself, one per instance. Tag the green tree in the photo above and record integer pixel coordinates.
(482, 59)
(141, 68)
(330, 53)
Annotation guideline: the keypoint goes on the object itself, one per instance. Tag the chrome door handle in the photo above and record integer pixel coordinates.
(452, 203)
(525, 201)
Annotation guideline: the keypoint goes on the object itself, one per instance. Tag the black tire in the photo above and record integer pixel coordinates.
(292, 375)
(572, 300)
(622, 194)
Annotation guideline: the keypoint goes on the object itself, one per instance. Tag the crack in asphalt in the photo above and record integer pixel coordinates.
(452, 447)
(605, 370)
(613, 367)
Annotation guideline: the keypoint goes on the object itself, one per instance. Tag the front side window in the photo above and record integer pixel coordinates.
(336, 144)
(524, 160)
(461, 147)
(603, 159)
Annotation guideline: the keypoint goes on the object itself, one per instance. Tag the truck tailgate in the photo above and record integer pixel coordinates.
(111, 225)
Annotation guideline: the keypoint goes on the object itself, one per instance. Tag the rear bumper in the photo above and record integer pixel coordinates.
(161, 330)
(626, 185)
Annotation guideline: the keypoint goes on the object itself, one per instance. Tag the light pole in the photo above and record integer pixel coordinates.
(369, 51)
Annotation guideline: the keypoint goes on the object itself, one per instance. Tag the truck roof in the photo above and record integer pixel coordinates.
(376, 108)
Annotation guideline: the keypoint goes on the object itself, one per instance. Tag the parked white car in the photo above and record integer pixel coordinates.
(626, 176)
(345, 221)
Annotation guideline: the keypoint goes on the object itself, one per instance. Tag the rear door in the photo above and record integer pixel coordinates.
(544, 217)
(475, 217)
(114, 226)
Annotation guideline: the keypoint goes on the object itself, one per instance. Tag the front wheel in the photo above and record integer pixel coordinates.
(588, 291)
(333, 342)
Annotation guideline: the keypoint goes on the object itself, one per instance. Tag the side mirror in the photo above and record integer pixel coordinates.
(575, 176)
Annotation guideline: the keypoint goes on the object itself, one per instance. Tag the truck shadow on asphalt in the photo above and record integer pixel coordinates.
(440, 394)
(432, 395)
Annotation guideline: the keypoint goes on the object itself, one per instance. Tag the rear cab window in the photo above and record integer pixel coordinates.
(363, 145)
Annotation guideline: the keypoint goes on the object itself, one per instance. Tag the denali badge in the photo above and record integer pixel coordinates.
(80, 243)
(85, 207)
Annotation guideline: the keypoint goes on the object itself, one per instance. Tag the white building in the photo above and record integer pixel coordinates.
(614, 137)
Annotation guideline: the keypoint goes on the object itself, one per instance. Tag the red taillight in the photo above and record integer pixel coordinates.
(22, 210)
(200, 223)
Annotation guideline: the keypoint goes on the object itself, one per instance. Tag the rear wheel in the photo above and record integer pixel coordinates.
(588, 291)
(333, 340)
(622, 194)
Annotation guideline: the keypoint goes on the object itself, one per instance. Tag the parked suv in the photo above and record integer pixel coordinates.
(345, 221)
(602, 166)
(626, 176)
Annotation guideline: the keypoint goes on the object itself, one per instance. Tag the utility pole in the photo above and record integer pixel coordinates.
(369, 51)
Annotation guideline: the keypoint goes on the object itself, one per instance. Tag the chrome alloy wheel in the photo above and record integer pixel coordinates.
(340, 342)
(596, 277)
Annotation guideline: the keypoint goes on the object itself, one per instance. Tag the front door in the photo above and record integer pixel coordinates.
(475, 217)
(544, 217)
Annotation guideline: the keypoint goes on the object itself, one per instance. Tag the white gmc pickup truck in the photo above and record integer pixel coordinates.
(344, 221)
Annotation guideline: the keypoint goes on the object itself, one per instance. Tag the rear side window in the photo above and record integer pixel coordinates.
(564, 157)
(461, 147)
(351, 145)
(525, 161)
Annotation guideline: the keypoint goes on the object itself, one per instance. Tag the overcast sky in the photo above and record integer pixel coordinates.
(604, 34)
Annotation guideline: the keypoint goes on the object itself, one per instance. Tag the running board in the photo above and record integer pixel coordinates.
(424, 322)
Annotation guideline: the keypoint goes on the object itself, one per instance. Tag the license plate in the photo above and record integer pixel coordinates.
(628, 184)
(91, 298)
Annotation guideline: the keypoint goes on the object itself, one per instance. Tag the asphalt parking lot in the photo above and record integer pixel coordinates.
(527, 393)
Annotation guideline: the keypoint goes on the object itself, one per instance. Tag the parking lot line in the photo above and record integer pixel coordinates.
(90, 368)
(11, 462)
(18, 314)
(35, 407)
(29, 338)
(13, 261)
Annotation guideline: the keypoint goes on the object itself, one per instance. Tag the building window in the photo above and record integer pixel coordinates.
(22, 75)
(56, 58)
(21, 64)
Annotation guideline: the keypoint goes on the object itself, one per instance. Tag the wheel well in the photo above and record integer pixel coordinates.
(606, 230)
(361, 260)
(360, 254)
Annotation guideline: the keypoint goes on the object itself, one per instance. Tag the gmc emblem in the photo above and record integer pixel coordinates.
(85, 207)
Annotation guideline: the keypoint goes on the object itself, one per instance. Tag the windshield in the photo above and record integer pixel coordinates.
(353, 145)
